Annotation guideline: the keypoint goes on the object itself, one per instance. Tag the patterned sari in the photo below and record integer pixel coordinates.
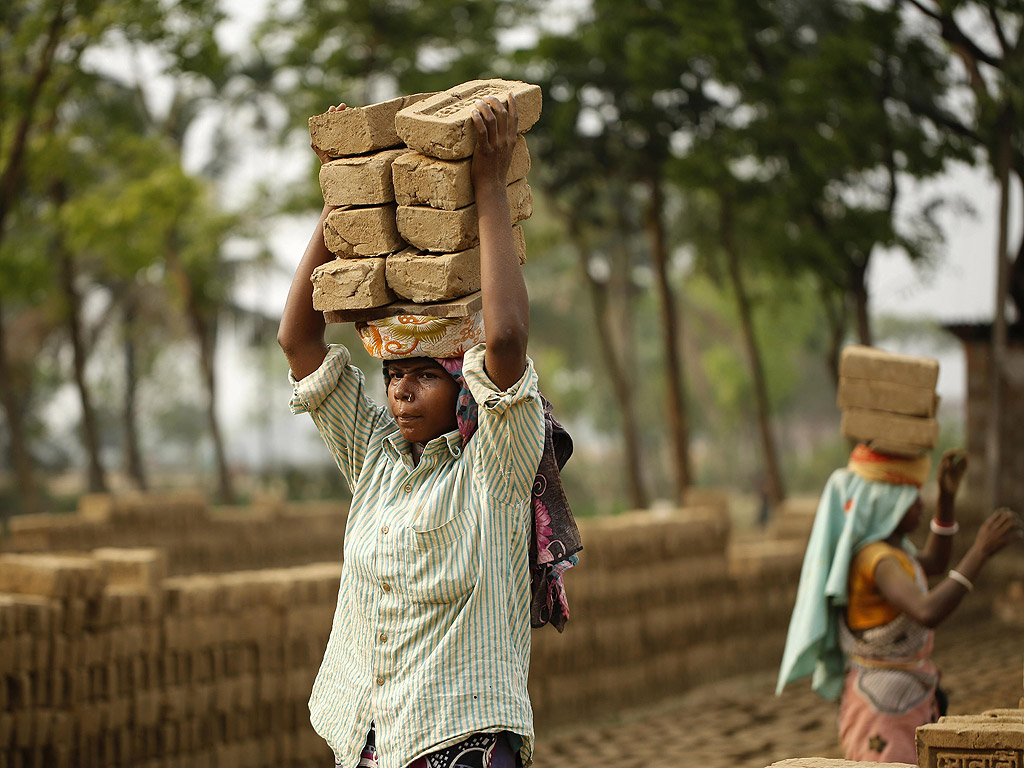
(890, 688)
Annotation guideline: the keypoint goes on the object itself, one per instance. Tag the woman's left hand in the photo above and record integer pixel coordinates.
(497, 129)
(951, 471)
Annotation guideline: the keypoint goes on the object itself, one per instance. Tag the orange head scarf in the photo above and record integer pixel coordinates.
(883, 468)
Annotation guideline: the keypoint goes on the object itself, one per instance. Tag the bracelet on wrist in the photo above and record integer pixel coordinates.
(960, 579)
(943, 529)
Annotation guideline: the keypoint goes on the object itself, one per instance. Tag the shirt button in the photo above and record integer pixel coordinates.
(408, 488)
(384, 530)
(386, 587)
(383, 637)
(380, 681)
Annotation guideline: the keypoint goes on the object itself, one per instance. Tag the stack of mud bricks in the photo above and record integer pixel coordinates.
(661, 603)
(104, 662)
(993, 739)
(196, 536)
(405, 225)
(828, 762)
(888, 401)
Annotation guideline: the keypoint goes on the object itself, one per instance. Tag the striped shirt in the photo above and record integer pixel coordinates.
(431, 634)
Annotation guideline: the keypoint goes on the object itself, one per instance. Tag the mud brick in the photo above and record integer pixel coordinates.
(96, 507)
(142, 567)
(425, 277)
(41, 649)
(888, 396)
(8, 616)
(42, 728)
(358, 130)
(423, 180)
(350, 284)
(360, 232)
(56, 576)
(364, 180)
(36, 615)
(74, 617)
(960, 744)
(24, 725)
(146, 707)
(862, 362)
(63, 728)
(169, 738)
(442, 125)
(24, 652)
(60, 756)
(890, 432)
(433, 229)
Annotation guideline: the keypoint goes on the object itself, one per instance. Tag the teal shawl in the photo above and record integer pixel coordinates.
(852, 513)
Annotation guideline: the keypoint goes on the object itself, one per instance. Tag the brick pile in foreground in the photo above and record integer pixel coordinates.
(406, 223)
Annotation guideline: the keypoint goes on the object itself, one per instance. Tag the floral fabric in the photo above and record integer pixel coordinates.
(556, 538)
(402, 336)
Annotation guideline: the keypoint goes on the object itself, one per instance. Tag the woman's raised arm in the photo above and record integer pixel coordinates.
(301, 332)
(506, 305)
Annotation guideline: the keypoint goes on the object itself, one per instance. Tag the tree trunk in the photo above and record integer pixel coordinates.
(21, 459)
(90, 432)
(773, 477)
(621, 384)
(859, 294)
(132, 455)
(993, 443)
(836, 318)
(10, 179)
(205, 337)
(676, 399)
(207, 344)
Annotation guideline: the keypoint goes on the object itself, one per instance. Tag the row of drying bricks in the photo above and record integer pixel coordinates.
(405, 223)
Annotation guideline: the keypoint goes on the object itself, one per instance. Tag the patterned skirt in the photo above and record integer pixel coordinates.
(480, 750)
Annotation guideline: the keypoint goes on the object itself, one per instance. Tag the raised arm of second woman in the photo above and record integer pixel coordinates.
(930, 608)
(506, 305)
(301, 332)
(934, 558)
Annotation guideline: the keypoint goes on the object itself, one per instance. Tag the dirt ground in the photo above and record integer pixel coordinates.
(740, 723)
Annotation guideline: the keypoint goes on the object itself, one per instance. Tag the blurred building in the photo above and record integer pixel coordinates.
(977, 341)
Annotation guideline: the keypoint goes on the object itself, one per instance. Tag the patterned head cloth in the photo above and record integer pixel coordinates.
(882, 468)
(402, 336)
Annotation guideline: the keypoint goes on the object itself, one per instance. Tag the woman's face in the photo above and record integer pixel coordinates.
(912, 518)
(422, 397)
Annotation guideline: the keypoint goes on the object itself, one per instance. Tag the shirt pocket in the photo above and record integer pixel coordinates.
(442, 561)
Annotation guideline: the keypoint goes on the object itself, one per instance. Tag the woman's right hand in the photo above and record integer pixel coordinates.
(1002, 527)
(324, 157)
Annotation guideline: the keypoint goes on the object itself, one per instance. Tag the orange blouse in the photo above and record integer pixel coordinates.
(867, 606)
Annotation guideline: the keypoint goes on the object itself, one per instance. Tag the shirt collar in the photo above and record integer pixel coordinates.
(448, 444)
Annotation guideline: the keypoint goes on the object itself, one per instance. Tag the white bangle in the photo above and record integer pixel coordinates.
(944, 530)
(962, 580)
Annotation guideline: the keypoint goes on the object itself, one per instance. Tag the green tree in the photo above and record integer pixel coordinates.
(986, 38)
(45, 91)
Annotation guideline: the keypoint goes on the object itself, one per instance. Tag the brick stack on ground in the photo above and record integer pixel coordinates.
(196, 536)
(888, 401)
(104, 662)
(406, 222)
(993, 739)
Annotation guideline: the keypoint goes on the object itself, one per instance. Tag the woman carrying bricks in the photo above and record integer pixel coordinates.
(864, 616)
(429, 651)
